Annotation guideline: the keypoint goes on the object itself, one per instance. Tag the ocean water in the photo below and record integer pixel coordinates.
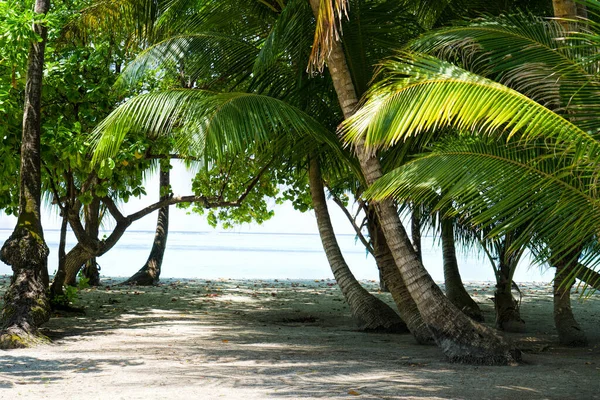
(244, 255)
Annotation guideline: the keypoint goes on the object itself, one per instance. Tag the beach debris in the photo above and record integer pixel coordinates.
(353, 393)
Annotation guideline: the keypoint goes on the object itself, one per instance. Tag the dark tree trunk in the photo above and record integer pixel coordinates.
(460, 338)
(391, 275)
(91, 270)
(73, 260)
(56, 291)
(455, 289)
(149, 274)
(569, 331)
(370, 313)
(508, 316)
(415, 231)
(26, 303)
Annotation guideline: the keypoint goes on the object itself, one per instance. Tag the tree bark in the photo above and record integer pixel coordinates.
(391, 275)
(149, 274)
(415, 231)
(508, 315)
(26, 303)
(570, 10)
(569, 331)
(370, 313)
(455, 289)
(91, 271)
(460, 338)
(56, 291)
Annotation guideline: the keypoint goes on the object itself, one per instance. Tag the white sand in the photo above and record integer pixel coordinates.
(289, 339)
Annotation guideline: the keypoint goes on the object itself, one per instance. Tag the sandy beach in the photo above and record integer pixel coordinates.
(231, 339)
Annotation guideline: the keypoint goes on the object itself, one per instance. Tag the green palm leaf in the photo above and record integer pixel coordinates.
(501, 189)
(206, 55)
(211, 124)
(420, 93)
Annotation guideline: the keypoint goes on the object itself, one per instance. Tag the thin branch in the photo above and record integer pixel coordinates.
(357, 229)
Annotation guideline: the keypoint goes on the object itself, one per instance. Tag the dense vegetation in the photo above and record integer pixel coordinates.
(478, 119)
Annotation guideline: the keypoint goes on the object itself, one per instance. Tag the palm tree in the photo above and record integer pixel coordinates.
(26, 304)
(460, 338)
(554, 100)
(149, 274)
(371, 313)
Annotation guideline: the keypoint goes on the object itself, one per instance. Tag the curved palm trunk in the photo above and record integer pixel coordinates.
(391, 275)
(26, 303)
(371, 313)
(569, 331)
(460, 338)
(455, 289)
(149, 274)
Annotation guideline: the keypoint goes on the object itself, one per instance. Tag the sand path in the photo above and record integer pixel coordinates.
(288, 340)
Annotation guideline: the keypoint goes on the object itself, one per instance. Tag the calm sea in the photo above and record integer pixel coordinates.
(214, 254)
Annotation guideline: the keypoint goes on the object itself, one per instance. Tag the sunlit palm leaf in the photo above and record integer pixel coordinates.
(532, 55)
(421, 93)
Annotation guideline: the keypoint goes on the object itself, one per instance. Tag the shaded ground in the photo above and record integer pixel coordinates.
(288, 340)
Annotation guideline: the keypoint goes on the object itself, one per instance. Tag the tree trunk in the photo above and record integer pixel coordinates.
(56, 291)
(26, 303)
(571, 10)
(371, 313)
(91, 271)
(74, 259)
(415, 231)
(569, 331)
(455, 289)
(460, 338)
(565, 8)
(391, 275)
(149, 274)
(508, 316)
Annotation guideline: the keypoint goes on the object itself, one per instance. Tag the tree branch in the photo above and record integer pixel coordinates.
(357, 229)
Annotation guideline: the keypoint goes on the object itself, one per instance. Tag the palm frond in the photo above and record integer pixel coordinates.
(329, 19)
(532, 55)
(209, 124)
(501, 189)
(207, 55)
(421, 93)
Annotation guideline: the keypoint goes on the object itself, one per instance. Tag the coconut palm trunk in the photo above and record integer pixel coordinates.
(415, 230)
(455, 289)
(569, 331)
(508, 314)
(391, 276)
(460, 338)
(149, 274)
(26, 303)
(370, 313)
